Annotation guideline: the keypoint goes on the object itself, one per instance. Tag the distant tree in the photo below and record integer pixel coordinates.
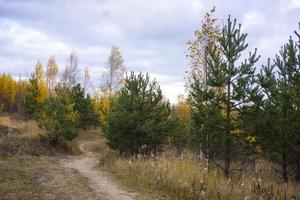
(21, 92)
(84, 107)
(38, 70)
(278, 127)
(51, 74)
(8, 92)
(180, 135)
(138, 117)
(102, 107)
(58, 118)
(43, 89)
(113, 77)
(86, 79)
(31, 104)
(216, 108)
(70, 75)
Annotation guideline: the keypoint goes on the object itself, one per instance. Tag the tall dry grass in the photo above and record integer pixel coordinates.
(188, 178)
(21, 137)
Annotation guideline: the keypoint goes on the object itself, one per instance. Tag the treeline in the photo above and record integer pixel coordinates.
(59, 101)
(12, 93)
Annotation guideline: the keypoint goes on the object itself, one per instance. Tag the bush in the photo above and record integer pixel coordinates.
(58, 118)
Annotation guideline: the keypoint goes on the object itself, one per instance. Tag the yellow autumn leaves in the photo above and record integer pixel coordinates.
(237, 131)
(42, 85)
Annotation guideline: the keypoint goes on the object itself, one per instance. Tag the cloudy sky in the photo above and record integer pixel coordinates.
(151, 34)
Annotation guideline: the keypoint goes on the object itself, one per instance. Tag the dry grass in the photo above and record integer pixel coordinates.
(24, 137)
(35, 178)
(29, 168)
(26, 128)
(182, 178)
(19, 137)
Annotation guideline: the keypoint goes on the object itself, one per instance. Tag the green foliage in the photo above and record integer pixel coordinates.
(83, 105)
(58, 118)
(139, 117)
(31, 104)
(180, 134)
(278, 125)
(63, 113)
(218, 102)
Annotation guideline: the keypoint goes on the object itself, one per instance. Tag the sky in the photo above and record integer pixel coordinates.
(151, 34)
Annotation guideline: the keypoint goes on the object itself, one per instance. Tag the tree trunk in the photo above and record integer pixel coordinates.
(227, 160)
(284, 167)
(297, 177)
(228, 121)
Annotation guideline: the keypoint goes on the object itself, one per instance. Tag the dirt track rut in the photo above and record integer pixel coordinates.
(101, 184)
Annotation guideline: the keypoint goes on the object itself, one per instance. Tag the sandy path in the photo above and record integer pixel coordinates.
(103, 187)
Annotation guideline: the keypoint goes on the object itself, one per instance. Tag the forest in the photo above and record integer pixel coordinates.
(235, 133)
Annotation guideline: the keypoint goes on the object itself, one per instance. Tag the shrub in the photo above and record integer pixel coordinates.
(58, 118)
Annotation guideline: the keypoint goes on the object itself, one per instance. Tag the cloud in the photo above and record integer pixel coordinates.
(253, 19)
(151, 34)
(28, 41)
(287, 5)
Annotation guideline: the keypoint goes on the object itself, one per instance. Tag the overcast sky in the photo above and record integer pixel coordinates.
(151, 34)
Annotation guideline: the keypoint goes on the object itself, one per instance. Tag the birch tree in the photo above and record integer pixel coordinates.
(51, 73)
(113, 77)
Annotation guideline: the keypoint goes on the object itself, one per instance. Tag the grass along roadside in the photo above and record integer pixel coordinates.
(170, 177)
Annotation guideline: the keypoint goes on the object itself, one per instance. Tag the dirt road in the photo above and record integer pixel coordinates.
(102, 186)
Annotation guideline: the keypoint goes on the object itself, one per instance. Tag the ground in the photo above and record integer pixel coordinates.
(31, 170)
(63, 177)
(34, 178)
(99, 182)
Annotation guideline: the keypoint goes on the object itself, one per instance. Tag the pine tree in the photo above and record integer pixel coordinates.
(139, 117)
(216, 108)
(297, 107)
(279, 121)
(31, 104)
(83, 106)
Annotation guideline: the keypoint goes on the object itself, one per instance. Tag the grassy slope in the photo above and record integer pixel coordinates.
(29, 168)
